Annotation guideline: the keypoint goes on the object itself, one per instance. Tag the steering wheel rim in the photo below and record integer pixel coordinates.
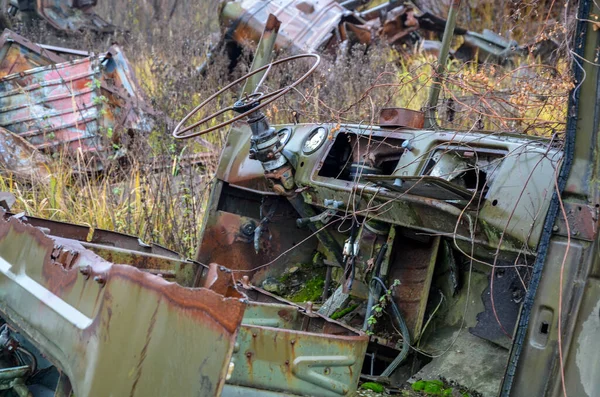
(181, 132)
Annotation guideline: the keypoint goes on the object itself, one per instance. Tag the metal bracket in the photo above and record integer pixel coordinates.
(325, 216)
(582, 221)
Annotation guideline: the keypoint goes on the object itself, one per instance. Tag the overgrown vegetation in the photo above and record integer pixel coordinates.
(150, 193)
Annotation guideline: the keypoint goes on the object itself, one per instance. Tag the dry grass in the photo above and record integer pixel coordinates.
(166, 206)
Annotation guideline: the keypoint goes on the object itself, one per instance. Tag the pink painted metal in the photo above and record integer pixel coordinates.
(82, 106)
(58, 106)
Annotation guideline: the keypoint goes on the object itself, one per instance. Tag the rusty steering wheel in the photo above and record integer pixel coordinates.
(246, 105)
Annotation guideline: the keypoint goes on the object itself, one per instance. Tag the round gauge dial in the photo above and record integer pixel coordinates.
(314, 140)
(284, 136)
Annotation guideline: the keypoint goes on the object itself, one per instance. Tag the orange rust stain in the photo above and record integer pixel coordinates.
(227, 312)
(249, 356)
(144, 352)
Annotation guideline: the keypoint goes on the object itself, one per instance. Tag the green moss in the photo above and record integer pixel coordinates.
(376, 387)
(491, 232)
(312, 291)
(317, 258)
(343, 312)
(429, 387)
(434, 388)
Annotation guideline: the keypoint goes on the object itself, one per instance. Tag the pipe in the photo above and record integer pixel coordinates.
(434, 93)
(15, 372)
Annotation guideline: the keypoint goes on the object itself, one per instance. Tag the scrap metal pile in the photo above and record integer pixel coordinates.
(88, 104)
(328, 26)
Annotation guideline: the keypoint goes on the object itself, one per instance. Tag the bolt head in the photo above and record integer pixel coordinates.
(100, 280)
(85, 271)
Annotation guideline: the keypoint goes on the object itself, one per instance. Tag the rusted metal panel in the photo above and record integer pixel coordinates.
(287, 348)
(181, 271)
(283, 348)
(297, 362)
(118, 71)
(306, 25)
(399, 117)
(415, 274)
(100, 321)
(229, 240)
(72, 16)
(581, 221)
(98, 236)
(17, 54)
(118, 74)
(65, 51)
(239, 391)
(397, 24)
(312, 26)
(85, 104)
(59, 229)
(316, 26)
(122, 248)
(19, 157)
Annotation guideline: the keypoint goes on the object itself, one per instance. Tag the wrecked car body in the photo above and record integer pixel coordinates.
(438, 206)
(86, 304)
(446, 231)
(88, 105)
(82, 293)
(63, 15)
(465, 255)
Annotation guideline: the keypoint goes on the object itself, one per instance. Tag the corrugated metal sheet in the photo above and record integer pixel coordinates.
(82, 106)
(58, 106)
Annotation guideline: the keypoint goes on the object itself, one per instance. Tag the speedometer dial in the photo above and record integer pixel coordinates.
(314, 140)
